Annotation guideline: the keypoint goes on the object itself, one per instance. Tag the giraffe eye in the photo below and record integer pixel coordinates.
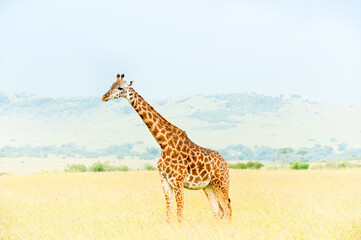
(120, 88)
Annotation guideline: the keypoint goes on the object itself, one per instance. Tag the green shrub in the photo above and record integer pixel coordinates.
(106, 167)
(342, 165)
(100, 167)
(298, 166)
(122, 168)
(254, 165)
(237, 165)
(75, 168)
(149, 167)
(248, 165)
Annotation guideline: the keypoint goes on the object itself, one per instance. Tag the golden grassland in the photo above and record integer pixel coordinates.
(285, 204)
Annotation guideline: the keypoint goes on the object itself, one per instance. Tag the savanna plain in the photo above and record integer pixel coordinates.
(278, 204)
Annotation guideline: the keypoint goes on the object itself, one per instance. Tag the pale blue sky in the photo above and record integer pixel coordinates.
(176, 48)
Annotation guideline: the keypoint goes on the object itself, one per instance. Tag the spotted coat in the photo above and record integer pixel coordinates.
(183, 164)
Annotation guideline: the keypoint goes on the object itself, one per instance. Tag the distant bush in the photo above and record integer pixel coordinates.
(75, 168)
(248, 165)
(335, 165)
(278, 167)
(149, 167)
(122, 168)
(99, 167)
(106, 167)
(298, 166)
(342, 165)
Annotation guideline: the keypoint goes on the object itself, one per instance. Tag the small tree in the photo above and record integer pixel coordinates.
(302, 154)
(285, 153)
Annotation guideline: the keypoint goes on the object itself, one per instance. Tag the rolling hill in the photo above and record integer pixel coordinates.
(215, 121)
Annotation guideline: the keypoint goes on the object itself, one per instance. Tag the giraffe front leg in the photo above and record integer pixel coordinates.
(168, 192)
(179, 197)
(178, 184)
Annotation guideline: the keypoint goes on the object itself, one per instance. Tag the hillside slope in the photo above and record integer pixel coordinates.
(214, 121)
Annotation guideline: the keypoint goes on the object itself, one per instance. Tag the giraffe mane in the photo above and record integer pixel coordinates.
(160, 116)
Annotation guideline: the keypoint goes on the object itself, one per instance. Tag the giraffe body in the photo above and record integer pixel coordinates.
(183, 164)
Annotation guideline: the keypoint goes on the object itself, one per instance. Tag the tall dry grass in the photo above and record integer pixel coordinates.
(318, 204)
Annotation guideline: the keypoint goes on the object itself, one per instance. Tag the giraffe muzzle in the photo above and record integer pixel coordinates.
(104, 99)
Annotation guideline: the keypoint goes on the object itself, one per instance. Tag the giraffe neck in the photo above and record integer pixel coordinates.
(162, 130)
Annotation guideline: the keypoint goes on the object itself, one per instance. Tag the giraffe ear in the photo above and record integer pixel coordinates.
(131, 83)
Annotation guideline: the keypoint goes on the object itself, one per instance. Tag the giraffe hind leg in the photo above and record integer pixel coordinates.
(222, 193)
(213, 200)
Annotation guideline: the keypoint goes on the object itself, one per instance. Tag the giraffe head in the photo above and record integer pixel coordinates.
(118, 89)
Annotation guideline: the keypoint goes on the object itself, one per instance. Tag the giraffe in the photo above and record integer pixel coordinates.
(182, 164)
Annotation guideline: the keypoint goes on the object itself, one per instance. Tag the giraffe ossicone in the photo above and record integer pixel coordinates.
(182, 164)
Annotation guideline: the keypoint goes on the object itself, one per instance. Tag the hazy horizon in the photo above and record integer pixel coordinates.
(285, 96)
